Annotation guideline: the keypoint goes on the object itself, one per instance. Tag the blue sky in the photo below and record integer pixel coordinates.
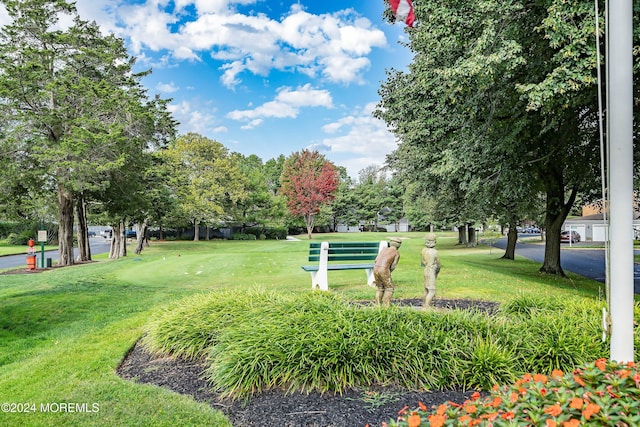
(266, 77)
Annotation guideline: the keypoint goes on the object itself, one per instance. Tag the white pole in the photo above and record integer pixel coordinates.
(620, 89)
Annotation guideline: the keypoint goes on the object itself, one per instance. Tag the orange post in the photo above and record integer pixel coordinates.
(31, 255)
(31, 262)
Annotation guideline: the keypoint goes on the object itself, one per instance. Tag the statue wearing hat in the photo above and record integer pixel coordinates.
(431, 264)
(386, 262)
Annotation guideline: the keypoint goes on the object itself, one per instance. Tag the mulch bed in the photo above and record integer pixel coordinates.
(354, 407)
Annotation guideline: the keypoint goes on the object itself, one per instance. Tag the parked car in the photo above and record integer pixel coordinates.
(569, 237)
(130, 234)
(92, 234)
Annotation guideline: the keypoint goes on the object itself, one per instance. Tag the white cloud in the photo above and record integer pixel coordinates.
(167, 87)
(286, 104)
(359, 137)
(252, 124)
(192, 117)
(334, 46)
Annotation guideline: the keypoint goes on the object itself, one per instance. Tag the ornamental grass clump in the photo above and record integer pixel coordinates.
(603, 393)
(189, 327)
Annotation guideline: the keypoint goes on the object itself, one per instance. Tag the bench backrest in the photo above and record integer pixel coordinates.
(346, 251)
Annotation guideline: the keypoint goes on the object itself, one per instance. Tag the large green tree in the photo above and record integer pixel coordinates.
(208, 179)
(499, 86)
(72, 104)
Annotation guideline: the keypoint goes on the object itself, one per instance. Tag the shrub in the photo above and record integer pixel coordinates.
(20, 239)
(597, 394)
(259, 340)
(270, 233)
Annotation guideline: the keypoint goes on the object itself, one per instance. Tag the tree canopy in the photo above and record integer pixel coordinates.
(309, 181)
(500, 102)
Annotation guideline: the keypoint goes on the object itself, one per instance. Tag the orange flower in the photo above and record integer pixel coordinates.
(470, 409)
(553, 410)
(508, 415)
(601, 364)
(539, 378)
(464, 419)
(623, 373)
(631, 364)
(550, 423)
(414, 420)
(591, 409)
(403, 410)
(441, 409)
(496, 402)
(514, 397)
(557, 373)
(576, 403)
(436, 420)
(571, 423)
(422, 406)
(611, 392)
(475, 395)
(577, 379)
(492, 416)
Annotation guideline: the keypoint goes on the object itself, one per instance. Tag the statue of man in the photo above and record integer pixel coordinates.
(386, 262)
(431, 264)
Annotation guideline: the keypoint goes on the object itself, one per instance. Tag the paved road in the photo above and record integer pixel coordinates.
(98, 244)
(586, 262)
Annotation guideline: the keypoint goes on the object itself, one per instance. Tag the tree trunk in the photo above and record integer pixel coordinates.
(115, 242)
(84, 249)
(65, 226)
(208, 231)
(462, 235)
(473, 240)
(141, 235)
(118, 241)
(512, 238)
(556, 212)
(308, 220)
(122, 246)
(161, 234)
(196, 230)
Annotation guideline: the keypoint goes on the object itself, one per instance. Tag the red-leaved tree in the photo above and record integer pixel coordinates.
(309, 181)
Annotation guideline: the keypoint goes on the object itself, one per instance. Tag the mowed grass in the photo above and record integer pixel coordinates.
(64, 332)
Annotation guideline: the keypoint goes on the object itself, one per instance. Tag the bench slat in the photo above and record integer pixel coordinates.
(339, 267)
(346, 257)
(347, 251)
(316, 245)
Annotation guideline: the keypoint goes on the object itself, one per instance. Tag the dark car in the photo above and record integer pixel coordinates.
(92, 234)
(130, 234)
(569, 237)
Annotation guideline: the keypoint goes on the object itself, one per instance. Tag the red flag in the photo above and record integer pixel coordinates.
(403, 9)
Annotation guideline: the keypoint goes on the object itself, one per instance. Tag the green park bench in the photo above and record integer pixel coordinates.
(333, 255)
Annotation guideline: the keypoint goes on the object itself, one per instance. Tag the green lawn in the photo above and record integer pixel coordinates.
(63, 332)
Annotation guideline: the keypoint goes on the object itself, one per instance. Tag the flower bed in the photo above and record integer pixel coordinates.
(603, 393)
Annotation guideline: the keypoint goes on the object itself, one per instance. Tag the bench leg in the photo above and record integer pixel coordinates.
(370, 278)
(319, 280)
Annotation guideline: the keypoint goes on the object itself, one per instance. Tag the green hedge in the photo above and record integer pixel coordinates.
(318, 341)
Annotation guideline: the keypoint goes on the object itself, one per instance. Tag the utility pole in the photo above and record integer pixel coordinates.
(620, 142)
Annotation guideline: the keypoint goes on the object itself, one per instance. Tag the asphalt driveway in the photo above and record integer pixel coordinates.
(588, 262)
